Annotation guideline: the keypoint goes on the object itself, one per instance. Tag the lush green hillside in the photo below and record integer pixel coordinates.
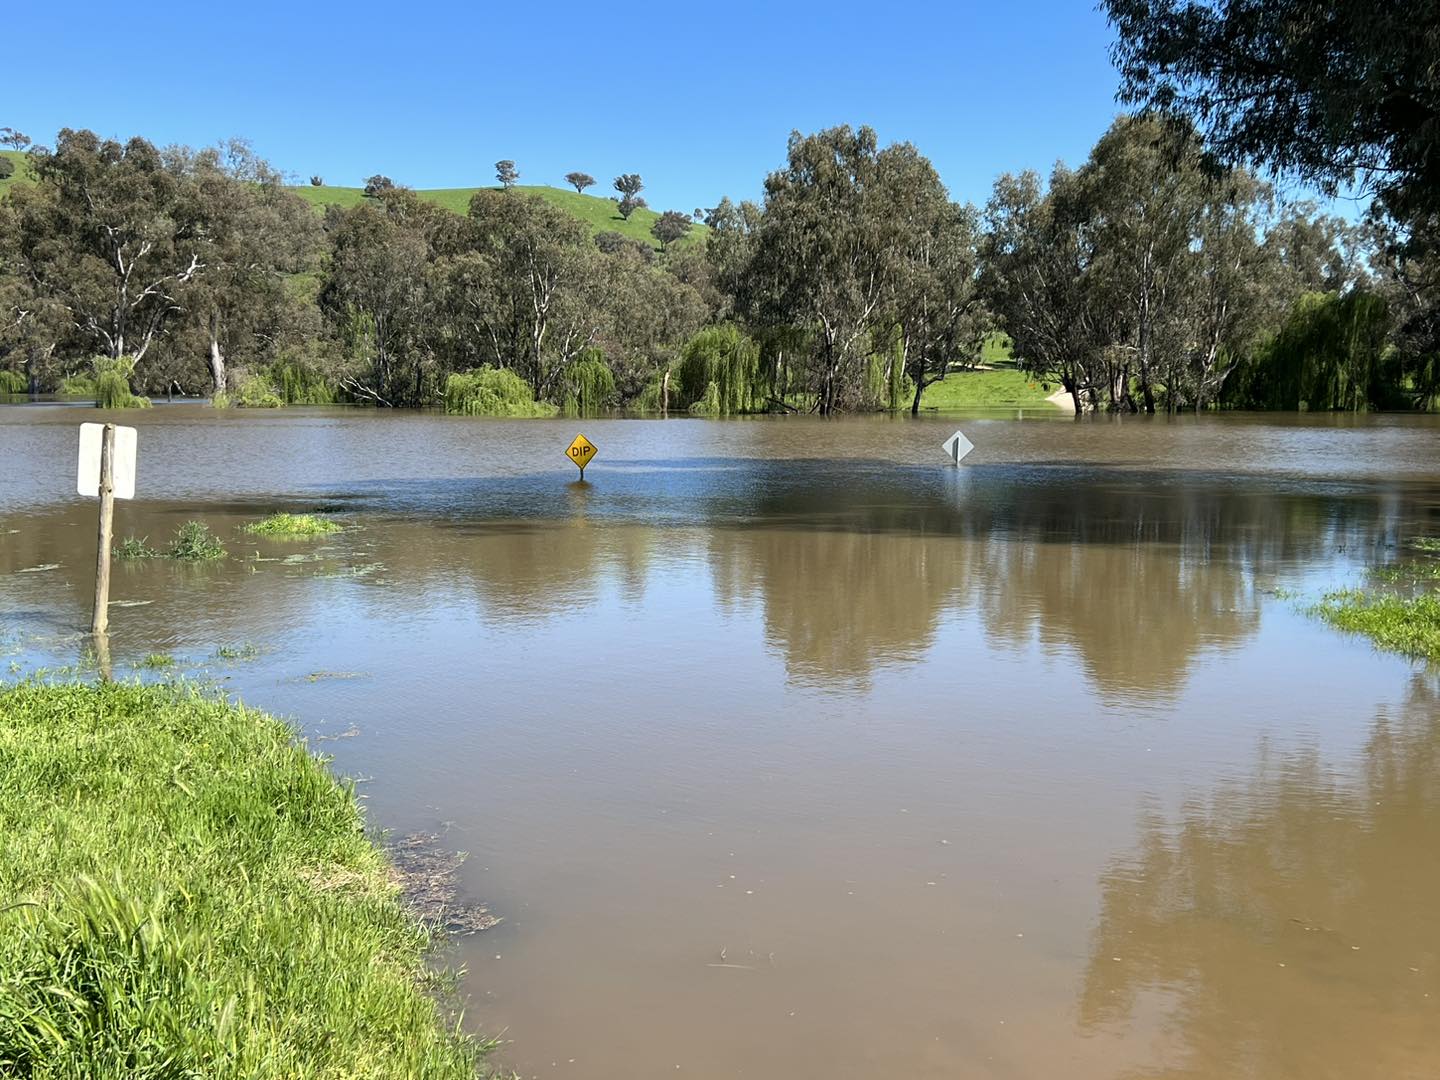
(23, 175)
(598, 214)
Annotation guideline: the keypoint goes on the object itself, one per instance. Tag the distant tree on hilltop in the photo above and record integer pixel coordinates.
(506, 173)
(629, 185)
(579, 181)
(317, 181)
(669, 227)
(378, 185)
(15, 140)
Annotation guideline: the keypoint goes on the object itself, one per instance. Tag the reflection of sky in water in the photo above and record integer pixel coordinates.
(807, 663)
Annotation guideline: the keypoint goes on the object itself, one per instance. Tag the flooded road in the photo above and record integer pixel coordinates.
(786, 749)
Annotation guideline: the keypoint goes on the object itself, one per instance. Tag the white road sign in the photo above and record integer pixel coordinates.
(957, 446)
(87, 477)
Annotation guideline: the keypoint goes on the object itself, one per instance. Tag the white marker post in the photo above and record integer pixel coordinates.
(106, 469)
(957, 446)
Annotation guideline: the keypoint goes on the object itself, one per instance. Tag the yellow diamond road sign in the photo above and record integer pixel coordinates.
(581, 452)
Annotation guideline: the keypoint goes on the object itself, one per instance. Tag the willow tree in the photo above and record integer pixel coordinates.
(719, 372)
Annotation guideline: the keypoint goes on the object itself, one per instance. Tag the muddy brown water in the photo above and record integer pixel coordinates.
(785, 749)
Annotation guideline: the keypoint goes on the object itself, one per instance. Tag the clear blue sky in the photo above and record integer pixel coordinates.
(698, 99)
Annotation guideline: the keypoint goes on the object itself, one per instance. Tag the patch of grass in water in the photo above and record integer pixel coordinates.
(237, 652)
(1407, 625)
(157, 660)
(135, 548)
(194, 542)
(1412, 572)
(215, 909)
(1426, 543)
(293, 525)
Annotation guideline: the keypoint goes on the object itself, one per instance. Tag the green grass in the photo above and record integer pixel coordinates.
(23, 174)
(135, 548)
(1408, 625)
(596, 211)
(293, 525)
(987, 390)
(194, 542)
(186, 892)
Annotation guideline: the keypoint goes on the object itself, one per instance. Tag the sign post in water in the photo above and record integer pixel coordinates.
(957, 446)
(106, 469)
(581, 452)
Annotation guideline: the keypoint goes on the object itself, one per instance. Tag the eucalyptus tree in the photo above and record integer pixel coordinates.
(506, 173)
(729, 249)
(1326, 90)
(1036, 256)
(110, 234)
(937, 306)
(255, 234)
(528, 285)
(669, 227)
(629, 186)
(579, 181)
(830, 240)
(380, 296)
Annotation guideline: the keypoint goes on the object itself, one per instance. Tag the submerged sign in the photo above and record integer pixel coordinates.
(957, 446)
(581, 452)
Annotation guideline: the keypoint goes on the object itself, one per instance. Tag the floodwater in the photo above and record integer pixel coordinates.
(786, 749)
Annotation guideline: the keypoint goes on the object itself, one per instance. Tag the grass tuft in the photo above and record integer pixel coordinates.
(194, 542)
(1407, 625)
(133, 548)
(162, 912)
(293, 525)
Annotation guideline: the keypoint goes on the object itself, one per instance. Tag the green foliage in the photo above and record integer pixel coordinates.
(587, 386)
(669, 227)
(194, 542)
(256, 392)
(12, 382)
(135, 548)
(112, 383)
(299, 382)
(220, 400)
(489, 391)
(214, 909)
(77, 386)
(158, 660)
(7, 168)
(719, 373)
(1329, 354)
(1408, 625)
(293, 525)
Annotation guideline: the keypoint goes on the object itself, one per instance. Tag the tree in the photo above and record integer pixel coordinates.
(1322, 89)
(579, 181)
(15, 140)
(506, 173)
(317, 181)
(256, 232)
(526, 285)
(831, 237)
(7, 168)
(629, 185)
(378, 185)
(111, 234)
(936, 304)
(669, 227)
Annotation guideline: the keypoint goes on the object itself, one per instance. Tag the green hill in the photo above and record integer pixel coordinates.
(598, 214)
(22, 174)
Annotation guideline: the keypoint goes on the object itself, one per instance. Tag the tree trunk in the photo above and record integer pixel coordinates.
(218, 373)
(919, 389)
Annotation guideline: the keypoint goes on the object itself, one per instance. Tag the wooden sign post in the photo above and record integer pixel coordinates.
(107, 469)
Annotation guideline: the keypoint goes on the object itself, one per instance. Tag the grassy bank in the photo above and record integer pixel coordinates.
(987, 390)
(186, 892)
